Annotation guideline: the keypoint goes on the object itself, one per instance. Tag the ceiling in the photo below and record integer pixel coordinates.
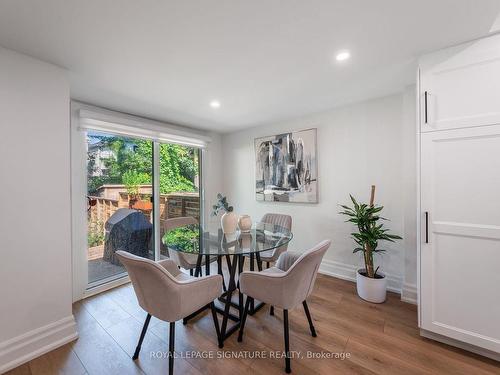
(264, 60)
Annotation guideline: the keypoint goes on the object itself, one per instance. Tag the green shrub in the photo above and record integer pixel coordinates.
(183, 238)
(133, 179)
(95, 233)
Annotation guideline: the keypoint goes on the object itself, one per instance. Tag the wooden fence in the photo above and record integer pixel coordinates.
(171, 205)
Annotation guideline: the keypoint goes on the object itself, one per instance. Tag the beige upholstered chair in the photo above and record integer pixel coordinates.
(184, 260)
(271, 256)
(285, 286)
(284, 221)
(168, 294)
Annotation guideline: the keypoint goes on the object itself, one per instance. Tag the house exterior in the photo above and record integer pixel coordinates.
(98, 153)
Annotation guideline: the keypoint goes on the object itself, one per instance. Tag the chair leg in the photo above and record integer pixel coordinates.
(143, 333)
(207, 265)
(309, 319)
(191, 272)
(197, 271)
(267, 264)
(287, 342)
(259, 262)
(216, 322)
(271, 310)
(244, 318)
(171, 350)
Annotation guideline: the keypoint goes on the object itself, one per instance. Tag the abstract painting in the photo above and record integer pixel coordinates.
(286, 167)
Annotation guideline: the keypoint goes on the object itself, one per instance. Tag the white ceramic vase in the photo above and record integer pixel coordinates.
(229, 222)
(245, 223)
(371, 290)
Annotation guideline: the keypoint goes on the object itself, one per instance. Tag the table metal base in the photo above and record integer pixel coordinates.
(234, 265)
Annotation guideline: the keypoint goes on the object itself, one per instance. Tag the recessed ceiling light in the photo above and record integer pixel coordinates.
(215, 104)
(342, 56)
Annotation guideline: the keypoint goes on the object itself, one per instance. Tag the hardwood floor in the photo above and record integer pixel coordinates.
(379, 339)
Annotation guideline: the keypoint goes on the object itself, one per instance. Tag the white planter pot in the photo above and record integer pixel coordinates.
(245, 223)
(229, 222)
(371, 290)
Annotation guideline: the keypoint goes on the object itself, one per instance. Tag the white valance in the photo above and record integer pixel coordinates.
(133, 126)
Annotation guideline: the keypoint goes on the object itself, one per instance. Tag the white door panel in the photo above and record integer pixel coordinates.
(462, 85)
(461, 299)
(462, 162)
(460, 265)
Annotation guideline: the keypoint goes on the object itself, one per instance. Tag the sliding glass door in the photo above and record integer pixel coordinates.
(125, 177)
(120, 208)
(179, 187)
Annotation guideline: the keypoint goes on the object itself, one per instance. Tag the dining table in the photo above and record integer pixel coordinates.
(214, 245)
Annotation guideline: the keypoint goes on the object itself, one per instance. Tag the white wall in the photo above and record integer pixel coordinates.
(358, 146)
(35, 270)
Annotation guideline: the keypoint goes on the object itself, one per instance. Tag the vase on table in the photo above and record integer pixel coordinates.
(245, 223)
(229, 222)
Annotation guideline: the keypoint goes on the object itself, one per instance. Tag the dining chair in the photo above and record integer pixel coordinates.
(286, 285)
(184, 260)
(168, 294)
(271, 256)
(284, 221)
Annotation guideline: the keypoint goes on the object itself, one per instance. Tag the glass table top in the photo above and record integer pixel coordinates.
(262, 237)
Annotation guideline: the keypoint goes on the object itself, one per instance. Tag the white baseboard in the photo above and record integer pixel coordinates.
(348, 272)
(409, 293)
(21, 349)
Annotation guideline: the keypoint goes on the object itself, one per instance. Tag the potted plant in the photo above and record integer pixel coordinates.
(229, 221)
(133, 195)
(133, 180)
(143, 203)
(371, 284)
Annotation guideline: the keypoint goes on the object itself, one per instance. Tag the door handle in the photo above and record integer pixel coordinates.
(426, 227)
(425, 107)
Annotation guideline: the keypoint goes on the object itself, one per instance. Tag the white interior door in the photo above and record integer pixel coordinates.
(460, 86)
(460, 263)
